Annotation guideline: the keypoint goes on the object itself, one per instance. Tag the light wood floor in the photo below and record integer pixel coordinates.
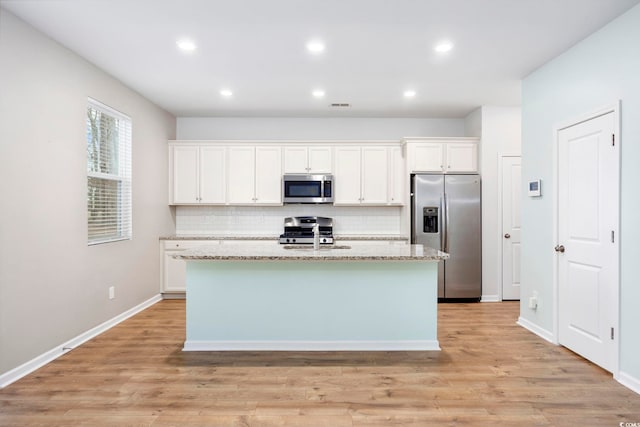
(489, 372)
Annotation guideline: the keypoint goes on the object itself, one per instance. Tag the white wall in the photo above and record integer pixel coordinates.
(603, 68)
(501, 134)
(314, 128)
(473, 123)
(52, 285)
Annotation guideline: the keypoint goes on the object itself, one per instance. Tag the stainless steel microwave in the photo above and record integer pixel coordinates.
(312, 188)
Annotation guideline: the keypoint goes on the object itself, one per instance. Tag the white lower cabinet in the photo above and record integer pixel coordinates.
(173, 271)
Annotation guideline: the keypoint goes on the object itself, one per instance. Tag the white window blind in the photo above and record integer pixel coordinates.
(108, 174)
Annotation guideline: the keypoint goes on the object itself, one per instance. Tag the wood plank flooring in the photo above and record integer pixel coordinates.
(490, 372)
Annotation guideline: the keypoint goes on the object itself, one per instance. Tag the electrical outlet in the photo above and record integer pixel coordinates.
(112, 292)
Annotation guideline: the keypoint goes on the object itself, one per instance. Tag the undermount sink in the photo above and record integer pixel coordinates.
(310, 247)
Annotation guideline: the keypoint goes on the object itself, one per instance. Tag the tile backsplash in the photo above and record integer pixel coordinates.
(268, 220)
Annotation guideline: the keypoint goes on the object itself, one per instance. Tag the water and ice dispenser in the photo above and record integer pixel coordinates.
(430, 219)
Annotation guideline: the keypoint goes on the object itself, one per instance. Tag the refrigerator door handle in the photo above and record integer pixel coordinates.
(414, 216)
(442, 225)
(446, 223)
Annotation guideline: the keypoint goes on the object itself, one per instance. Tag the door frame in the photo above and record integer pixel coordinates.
(499, 237)
(614, 108)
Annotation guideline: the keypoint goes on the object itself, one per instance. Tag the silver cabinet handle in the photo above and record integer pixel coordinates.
(559, 248)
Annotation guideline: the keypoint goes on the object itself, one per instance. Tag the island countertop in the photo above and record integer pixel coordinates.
(337, 252)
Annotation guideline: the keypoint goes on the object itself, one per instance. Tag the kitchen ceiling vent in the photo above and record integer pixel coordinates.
(339, 105)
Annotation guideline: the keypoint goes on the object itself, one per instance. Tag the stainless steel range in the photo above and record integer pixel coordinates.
(299, 230)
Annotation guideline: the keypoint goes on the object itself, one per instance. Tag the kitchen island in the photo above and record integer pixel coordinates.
(280, 297)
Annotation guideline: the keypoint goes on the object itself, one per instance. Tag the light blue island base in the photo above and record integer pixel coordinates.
(311, 305)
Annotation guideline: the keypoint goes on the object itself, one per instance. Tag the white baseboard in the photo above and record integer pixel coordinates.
(532, 327)
(41, 360)
(490, 298)
(408, 345)
(629, 381)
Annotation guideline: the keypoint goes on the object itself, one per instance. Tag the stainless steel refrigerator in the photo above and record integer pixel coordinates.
(445, 214)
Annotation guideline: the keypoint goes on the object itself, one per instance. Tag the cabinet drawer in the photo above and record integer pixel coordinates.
(178, 245)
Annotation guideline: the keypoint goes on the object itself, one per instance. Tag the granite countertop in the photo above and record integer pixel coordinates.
(306, 253)
(337, 237)
(201, 237)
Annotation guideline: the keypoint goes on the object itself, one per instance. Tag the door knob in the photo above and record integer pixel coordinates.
(559, 248)
(507, 236)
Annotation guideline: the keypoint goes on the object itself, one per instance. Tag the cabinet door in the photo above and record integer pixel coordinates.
(375, 175)
(320, 159)
(185, 175)
(174, 274)
(427, 157)
(174, 271)
(347, 174)
(462, 157)
(212, 175)
(295, 160)
(397, 176)
(268, 175)
(241, 175)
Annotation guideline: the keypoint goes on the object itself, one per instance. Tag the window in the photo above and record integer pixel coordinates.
(108, 174)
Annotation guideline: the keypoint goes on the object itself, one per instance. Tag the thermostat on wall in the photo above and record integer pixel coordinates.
(534, 188)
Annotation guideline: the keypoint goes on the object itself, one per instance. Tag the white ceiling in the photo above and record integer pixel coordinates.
(375, 50)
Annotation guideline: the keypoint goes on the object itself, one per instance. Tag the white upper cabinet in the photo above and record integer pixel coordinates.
(347, 176)
(197, 175)
(397, 176)
(254, 175)
(296, 159)
(303, 159)
(362, 175)
(320, 159)
(212, 175)
(241, 175)
(184, 184)
(462, 157)
(375, 175)
(268, 175)
(443, 155)
(427, 157)
(250, 173)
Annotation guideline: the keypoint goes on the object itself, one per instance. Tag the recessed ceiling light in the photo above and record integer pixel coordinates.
(315, 46)
(318, 93)
(409, 93)
(186, 45)
(443, 47)
(226, 93)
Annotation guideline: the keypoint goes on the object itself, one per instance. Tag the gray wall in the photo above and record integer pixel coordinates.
(52, 285)
(315, 128)
(600, 70)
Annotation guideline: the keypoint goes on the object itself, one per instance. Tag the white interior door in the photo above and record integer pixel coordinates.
(587, 250)
(511, 193)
